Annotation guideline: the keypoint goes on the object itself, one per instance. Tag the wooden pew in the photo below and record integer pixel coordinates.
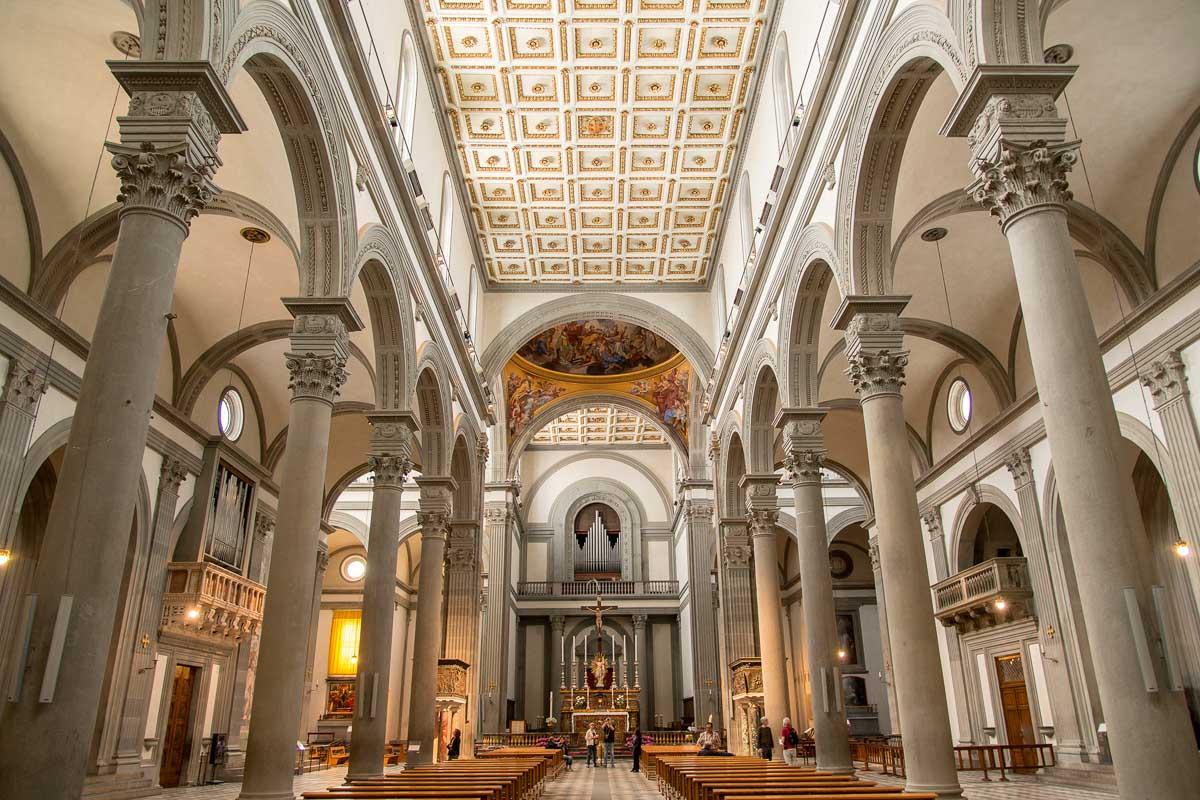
(744, 778)
(497, 778)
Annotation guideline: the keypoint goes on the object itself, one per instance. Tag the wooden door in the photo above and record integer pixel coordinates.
(1014, 701)
(176, 736)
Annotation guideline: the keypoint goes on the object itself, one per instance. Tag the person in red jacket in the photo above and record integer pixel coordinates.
(789, 739)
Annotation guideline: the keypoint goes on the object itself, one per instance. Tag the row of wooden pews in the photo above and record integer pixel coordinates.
(518, 775)
(694, 777)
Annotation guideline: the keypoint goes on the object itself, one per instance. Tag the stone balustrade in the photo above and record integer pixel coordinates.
(534, 589)
(203, 599)
(991, 593)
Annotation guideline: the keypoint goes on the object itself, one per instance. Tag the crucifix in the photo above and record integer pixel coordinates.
(598, 610)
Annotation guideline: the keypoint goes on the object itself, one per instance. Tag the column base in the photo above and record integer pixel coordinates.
(363, 776)
(290, 794)
(836, 769)
(941, 790)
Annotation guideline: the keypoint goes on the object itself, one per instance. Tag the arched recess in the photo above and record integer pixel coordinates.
(81, 246)
(432, 404)
(406, 89)
(33, 229)
(968, 519)
(916, 49)
(1107, 243)
(270, 45)
(731, 498)
(379, 266)
(575, 402)
(781, 86)
(761, 391)
(842, 520)
(351, 524)
(613, 494)
(465, 470)
(624, 308)
(803, 311)
(274, 451)
(220, 354)
(339, 486)
(531, 491)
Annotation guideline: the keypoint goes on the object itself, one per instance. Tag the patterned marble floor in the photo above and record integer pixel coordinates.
(619, 783)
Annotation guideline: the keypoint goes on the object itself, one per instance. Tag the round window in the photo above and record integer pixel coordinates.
(353, 568)
(958, 405)
(231, 415)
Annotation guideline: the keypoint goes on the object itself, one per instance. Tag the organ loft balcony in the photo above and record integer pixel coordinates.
(990, 593)
(205, 600)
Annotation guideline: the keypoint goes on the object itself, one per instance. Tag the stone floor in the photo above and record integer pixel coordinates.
(619, 783)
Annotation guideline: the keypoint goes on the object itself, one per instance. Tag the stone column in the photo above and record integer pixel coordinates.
(1166, 378)
(23, 390)
(737, 591)
(462, 613)
(804, 444)
(1021, 159)
(1068, 737)
(165, 161)
(638, 672)
(762, 513)
(702, 553)
(557, 675)
(877, 363)
(317, 365)
(941, 568)
(309, 715)
(391, 435)
(885, 640)
(499, 512)
(260, 551)
(145, 646)
(437, 500)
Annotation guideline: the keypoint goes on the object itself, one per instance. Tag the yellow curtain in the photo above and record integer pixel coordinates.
(343, 642)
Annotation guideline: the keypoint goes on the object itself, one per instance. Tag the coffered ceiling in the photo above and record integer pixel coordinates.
(601, 425)
(596, 137)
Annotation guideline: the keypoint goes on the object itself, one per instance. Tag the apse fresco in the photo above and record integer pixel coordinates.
(597, 347)
(663, 393)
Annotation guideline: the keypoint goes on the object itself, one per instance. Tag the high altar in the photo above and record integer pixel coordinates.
(606, 693)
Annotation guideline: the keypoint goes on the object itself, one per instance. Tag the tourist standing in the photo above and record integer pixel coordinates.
(766, 740)
(636, 743)
(610, 744)
(789, 739)
(590, 738)
(455, 745)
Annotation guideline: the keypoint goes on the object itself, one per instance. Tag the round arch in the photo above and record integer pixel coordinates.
(761, 391)
(629, 461)
(731, 468)
(620, 499)
(433, 406)
(917, 47)
(575, 402)
(379, 265)
(803, 310)
(970, 513)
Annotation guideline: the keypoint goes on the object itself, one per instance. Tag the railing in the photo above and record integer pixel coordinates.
(883, 753)
(1004, 758)
(203, 598)
(994, 590)
(589, 589)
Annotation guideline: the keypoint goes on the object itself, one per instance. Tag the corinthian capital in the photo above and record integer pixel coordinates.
(698, 510)
(316, 377)
(168, 150)
(434, 524)
(1024, 176)
(736, 554)
(1166, 378)
(460, 548)
(874, 374)
(24, 387)
(1020, 466)
(803, 443)
(933, 523)
(171, 475)
(874, 342)
(390, 471)
(762, 522)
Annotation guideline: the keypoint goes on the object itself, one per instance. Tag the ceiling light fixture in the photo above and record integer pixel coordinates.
(5, 556)
(1181, 548)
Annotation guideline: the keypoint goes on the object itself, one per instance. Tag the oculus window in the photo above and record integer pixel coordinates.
(958, 405)
(231, 414)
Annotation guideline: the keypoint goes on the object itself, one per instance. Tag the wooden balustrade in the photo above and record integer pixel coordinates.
(888, 756)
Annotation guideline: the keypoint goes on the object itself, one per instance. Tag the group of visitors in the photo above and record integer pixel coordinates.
(789, 739)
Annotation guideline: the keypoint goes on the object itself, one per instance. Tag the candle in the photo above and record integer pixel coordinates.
(562, 649)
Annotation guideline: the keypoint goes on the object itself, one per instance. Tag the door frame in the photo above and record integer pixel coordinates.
(189, 735)
(187, 653)
(1016, 638)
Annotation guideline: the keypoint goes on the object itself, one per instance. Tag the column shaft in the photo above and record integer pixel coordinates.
(369, 740)
(738, 591)
(427, 641)
(805, 454)
(702, 549)
(885, 640)
(462, 615)
(493, 659)
(763, 506)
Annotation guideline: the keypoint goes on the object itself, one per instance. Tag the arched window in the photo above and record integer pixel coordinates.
(720, 297)
(781, 78)
(747, 215)
(406, 93)
(446, 220)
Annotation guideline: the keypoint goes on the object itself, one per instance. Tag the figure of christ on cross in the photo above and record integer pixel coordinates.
(598, 610)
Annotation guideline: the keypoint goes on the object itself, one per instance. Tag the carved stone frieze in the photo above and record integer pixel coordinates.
(390, 471)
(1020, 466)
(1166, 378)
(24, 386)
(316, 377)
(1024, 177)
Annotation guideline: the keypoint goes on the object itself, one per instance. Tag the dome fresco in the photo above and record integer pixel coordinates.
(597, 347)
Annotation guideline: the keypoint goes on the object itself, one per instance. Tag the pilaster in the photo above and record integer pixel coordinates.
(23, 390)
(498, 514)
(888, 678)
(737, 590)
(702, 553)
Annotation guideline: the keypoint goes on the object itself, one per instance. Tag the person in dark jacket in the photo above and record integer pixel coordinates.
(610, 743)
(455, 745)
(636, 744)
(766, 740)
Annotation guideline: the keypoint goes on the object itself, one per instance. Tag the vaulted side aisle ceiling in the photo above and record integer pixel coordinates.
(597, 138)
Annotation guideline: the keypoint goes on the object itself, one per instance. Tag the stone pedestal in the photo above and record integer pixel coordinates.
(317, 366)
(804, 444)
(877, 364)
(165, 161)
(1021, 160)
(391, 434)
